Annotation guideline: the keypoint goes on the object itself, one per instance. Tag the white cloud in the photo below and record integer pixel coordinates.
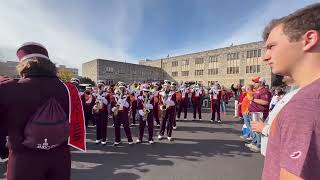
(68, 39)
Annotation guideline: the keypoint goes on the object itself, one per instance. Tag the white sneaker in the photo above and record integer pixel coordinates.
(4, 160)
(219, 121)
(249, 145)
(185, 119)
(116, 143)
(138, 141)
(160, 137)
(174, 127)
(200, 119)
(104, 142)
(249, 138)
(98, 141)
(170, 138)
(254, 149)
(151, 142)
(130, 143)
(211, 120)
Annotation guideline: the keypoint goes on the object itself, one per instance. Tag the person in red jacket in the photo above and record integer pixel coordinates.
(197, 93)
(145, 110)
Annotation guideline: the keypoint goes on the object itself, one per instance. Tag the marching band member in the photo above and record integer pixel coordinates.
(100, 114)
(133, 103)
(184, 91)
(145, 110)
(215, 98)
(156, 97)
(120, 109)
(167, 107)
(197, 93)
(173, 89)
(88, 101)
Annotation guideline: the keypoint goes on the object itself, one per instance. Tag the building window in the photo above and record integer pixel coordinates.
(253, 65)
(213, 59)
(213, 71)
(174, 63)
(199, 60)
(233, 56)
(109, 69)
(184, 73)
(185, 62)
(198, 72)
(233, 66)
(254, 53)
(174, 74)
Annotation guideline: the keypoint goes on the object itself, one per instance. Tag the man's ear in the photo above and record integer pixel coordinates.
(311, 40)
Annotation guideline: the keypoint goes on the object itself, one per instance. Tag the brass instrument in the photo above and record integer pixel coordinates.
(119, 102)
(164, 107)
(145, 110)
(98, 105)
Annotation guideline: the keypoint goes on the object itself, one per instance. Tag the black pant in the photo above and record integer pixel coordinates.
(40, 165)
(4, 152)
(122, 118)
(167, 120)
(143, 125)
(215, 108)
(196, 106)
(183, 105)
(134, 111)
(101, 128)
(88, 117)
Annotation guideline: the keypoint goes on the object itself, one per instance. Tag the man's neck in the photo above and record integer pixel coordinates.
(306, 73)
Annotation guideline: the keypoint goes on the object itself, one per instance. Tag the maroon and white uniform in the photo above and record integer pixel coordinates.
(183, 106)
(215, 98)
(145, 102)
(167, 98)
(197, 93)
(121, 104)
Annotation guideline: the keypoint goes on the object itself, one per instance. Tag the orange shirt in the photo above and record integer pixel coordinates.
(246, 102)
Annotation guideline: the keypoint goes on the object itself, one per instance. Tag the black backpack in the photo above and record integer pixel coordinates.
(48, 127)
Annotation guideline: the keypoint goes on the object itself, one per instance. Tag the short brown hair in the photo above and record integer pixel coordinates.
(297, 23)
(36, 66)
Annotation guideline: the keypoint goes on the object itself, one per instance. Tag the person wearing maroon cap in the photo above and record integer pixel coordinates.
(39, 87)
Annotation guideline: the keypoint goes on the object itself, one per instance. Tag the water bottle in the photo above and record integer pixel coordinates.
(244, 130)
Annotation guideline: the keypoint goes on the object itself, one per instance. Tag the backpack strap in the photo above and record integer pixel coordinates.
(77, 137)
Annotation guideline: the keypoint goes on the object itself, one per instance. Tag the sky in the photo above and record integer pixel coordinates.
(77, 31)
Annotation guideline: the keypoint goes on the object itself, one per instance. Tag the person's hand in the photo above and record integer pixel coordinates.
(257, 126)
(250, 98)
